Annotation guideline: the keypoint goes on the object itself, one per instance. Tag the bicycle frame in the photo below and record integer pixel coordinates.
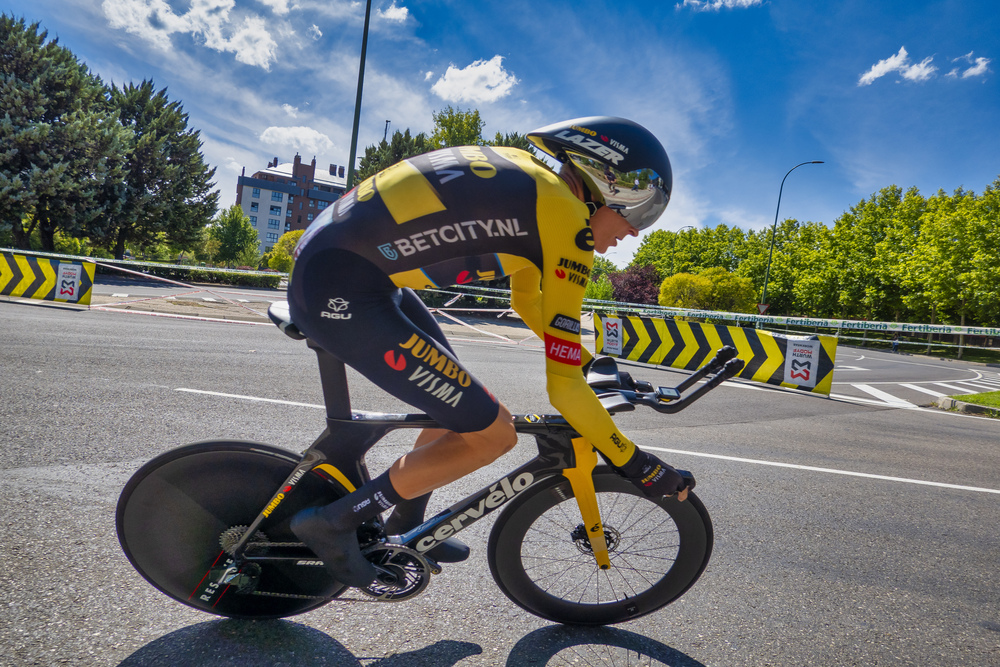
(339, 454)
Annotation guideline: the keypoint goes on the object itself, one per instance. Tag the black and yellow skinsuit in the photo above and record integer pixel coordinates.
(449, 217)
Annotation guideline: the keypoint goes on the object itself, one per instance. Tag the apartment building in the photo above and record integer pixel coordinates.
(287, 196)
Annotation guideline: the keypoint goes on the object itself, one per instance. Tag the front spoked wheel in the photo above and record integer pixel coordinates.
(179, 515)
(540, 555)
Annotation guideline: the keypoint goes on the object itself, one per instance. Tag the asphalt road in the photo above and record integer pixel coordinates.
(813, 564)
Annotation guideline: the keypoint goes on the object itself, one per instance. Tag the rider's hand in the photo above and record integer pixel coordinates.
(654, 477)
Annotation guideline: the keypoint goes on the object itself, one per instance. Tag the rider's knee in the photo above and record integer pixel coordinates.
(497, 439)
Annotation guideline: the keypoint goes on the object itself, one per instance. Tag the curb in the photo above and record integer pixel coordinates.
(946, 403)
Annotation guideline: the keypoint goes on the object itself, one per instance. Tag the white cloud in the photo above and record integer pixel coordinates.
(921, 71)
(428, 75)
(979, 69)
(899, 63)
(717, 5)
(314, 32)
(303, 139)
(279, 7)
(482, 81)
(232, 166)
(155, 21)
(978, 66)
(290, 110)
(251, 43)
(394, 13)
(152, 20)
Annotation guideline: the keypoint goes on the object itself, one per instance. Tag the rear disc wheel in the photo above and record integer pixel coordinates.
(177, 514)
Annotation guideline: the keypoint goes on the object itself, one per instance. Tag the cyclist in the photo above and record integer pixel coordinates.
(449, 217)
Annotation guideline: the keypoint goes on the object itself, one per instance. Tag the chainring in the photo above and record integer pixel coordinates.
(404, 573)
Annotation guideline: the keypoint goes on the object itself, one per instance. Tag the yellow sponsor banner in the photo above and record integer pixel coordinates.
(32, 277)
(798, 362)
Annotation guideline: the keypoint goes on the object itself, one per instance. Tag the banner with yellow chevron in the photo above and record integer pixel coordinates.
(797, 362)
(49, 279)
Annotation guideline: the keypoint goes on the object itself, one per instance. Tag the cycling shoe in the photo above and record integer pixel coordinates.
(339, 551)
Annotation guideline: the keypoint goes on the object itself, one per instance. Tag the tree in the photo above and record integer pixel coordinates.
(168, 188)
(602, 266)
(685, 290)
(729, 293)
(60, 147)
(599, 288)
(388, 153)
(281, 253)
(237, 239)
(513, 140)
(985, 266)
(451, 128)
(636, 284)
(454, 127)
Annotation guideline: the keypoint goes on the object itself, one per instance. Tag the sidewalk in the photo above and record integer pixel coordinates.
(946, 403)
(459, 325)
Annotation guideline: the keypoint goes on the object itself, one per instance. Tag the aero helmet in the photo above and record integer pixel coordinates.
(612, 154)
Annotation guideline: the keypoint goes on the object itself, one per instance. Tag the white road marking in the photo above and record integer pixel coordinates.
(850, 368)
(878, 393)
(960, 390)
(981, 386)
(831, 471)
(251, 398)
(737, 459)
(869, 401)
(917, 387)
(118, 295)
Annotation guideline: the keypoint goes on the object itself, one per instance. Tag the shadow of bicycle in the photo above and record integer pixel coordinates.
(278, 643)
(560, 646)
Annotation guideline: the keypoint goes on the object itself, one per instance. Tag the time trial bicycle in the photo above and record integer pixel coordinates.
(575, 543)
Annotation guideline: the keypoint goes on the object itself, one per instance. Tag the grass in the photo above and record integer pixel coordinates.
(990, 399)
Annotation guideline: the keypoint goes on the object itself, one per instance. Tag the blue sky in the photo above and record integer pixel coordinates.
(883, 91)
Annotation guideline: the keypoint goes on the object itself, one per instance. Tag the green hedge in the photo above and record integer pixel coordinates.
(207, 276)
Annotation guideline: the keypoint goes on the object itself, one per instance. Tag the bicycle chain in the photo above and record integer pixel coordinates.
(288, 595)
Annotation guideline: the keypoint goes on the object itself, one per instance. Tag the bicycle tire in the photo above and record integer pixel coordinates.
(658, 549)
(172, 512)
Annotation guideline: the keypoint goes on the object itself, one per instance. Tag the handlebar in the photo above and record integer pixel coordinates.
(618, 392)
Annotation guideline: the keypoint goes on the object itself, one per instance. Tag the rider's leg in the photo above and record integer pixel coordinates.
(348, 306)
(452, 456)
(330, 531)
(409, 513)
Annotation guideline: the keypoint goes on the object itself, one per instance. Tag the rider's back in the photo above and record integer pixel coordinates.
(456, 215)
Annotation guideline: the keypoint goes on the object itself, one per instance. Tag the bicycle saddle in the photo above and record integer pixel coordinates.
(278, 313)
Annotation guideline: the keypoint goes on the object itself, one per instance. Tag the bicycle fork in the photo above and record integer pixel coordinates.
(581, 479)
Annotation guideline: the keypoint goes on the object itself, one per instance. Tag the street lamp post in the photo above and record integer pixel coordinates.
(357, 102)
(774, 228)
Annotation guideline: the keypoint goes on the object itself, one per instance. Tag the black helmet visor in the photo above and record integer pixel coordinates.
(638, 196)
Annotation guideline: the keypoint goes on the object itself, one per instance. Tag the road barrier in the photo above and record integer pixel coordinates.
(48, 279)
(798, 362)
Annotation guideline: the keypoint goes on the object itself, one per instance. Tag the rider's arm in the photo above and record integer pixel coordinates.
(526, 300)
(572, 396)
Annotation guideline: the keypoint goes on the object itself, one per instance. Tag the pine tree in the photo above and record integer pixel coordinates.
(56, 134)
(167, 188)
